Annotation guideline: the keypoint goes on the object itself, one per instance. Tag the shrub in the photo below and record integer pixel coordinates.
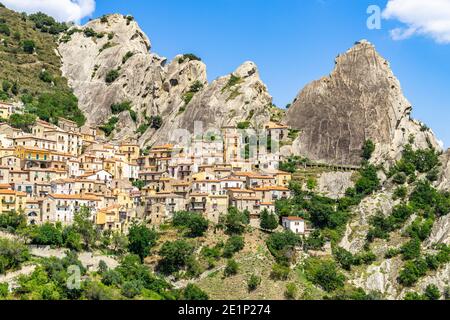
(369, 181)
(400, 178)
(45, 76)
(411, 250)
(344, 258)
(112, 278)
(412, 272)
(12, 221)
(243, 125)
(112, 76)
(189, 57)
(4, 29)
(400, 193)
(282, 245)
(232, 268)
(46, 23)
(47, 234)
(432, 292)
(117, 108)
(131, 289)
(291, 291)
(234, 244)
(421, 228)
(368, 149)
(324, 273)
(194, 293)
(280, 272)
(127, 56)
(253, 282)
(315, 241)
(4, 290)
(12, 254)
(110, 126)
(236, 221)
(28, 46)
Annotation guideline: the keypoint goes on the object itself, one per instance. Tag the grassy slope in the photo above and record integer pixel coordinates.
(15, 65)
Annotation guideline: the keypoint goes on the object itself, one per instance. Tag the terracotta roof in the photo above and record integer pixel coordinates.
(293, 218)
(74, 197)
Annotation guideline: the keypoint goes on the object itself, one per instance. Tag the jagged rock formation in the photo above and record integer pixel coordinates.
(361, 99)
(152, 85)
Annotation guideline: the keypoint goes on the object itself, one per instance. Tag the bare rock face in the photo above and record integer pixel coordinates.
(334, 184)
(152, 85)
(225, 102)
(356, 233)
(361, 99)
(444, 178)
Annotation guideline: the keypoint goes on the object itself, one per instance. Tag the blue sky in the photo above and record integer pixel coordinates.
(295, 41)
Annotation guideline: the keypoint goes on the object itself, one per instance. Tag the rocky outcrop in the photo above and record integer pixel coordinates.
(444, 178)
(355, 235)
(361, 99)
(334, 184)
(154, 86)
(238, 97)
(380, 277)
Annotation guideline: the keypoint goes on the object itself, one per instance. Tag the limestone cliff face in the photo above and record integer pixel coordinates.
(361, 99)
(153, 85)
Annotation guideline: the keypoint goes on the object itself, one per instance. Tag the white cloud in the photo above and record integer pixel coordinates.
(421, 17)
(61, 10)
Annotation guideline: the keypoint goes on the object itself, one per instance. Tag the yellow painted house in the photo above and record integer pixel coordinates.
(31, 153)
(11, 200)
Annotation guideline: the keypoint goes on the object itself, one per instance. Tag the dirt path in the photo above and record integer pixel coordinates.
(11, 277)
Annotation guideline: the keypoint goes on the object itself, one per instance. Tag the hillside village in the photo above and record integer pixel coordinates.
(342, 195)
(50, 172)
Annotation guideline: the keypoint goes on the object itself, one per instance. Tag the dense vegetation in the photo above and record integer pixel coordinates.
(30, 69)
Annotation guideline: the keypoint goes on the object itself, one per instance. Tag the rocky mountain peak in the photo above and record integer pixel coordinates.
(247, 69)
(108, 62)
(361, 99)
(124, 28)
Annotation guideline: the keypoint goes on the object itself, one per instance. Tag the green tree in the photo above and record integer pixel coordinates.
(119, 243)
(324, 273)
(236, 221)
(268, 221)
(194, 222)
(12, 254)
(282, 245)
(85, 227)
(175, 255)
(22, 121)
(192, 293)
(48, 234)
(141, 240)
